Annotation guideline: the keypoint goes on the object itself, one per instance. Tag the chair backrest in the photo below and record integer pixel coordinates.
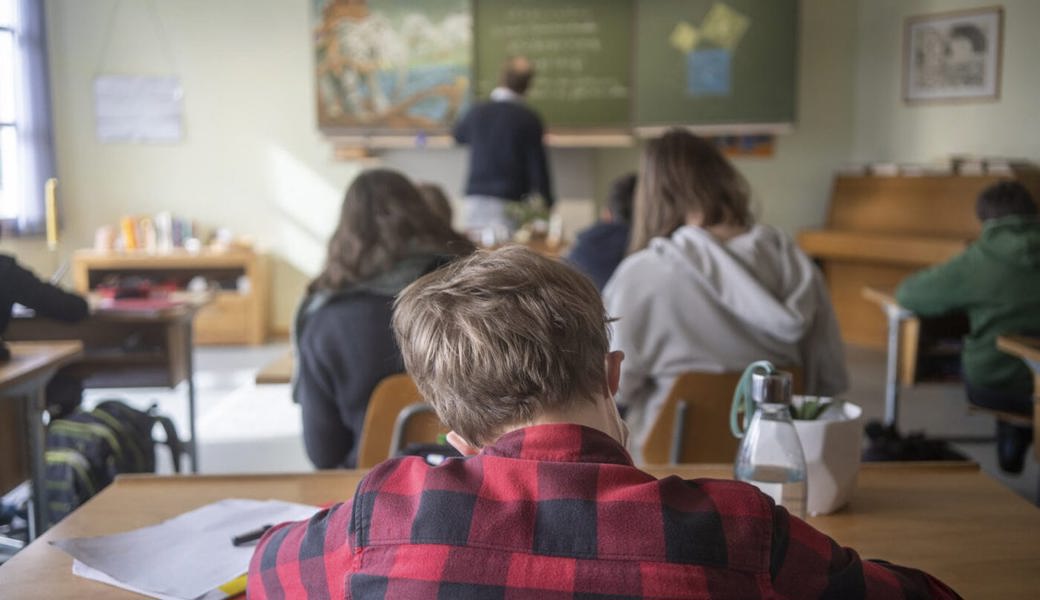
(693, 425)
(383, 432)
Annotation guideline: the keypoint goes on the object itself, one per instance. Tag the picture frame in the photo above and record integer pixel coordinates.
(953, 56)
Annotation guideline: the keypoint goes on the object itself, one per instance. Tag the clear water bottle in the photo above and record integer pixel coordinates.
(770, 456)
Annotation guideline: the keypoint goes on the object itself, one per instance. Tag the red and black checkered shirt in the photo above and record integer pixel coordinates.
(559, 512)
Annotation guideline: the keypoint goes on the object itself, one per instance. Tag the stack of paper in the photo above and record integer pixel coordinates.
(187, 557)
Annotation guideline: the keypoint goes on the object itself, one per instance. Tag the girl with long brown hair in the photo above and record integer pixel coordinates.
(707, 289)
(387, 237)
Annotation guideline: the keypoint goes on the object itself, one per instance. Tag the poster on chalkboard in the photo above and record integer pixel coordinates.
(725, 63)
(397, 66)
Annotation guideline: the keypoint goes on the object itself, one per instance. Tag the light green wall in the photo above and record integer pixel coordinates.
(888, 129)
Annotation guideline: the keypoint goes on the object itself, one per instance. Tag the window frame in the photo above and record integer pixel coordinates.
(7, 222)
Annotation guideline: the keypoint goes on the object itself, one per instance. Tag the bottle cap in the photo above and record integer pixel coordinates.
(771, 388)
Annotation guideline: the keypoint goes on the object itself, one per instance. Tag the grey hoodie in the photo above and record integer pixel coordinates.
(693, 303)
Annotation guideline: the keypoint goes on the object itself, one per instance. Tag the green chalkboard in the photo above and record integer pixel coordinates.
(582, 51)
(710, 62)
(408, 66)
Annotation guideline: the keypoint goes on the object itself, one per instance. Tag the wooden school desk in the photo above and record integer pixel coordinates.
(129, 348)
(25, 378)
(1028, 349)
(912, 346)
(948, 519)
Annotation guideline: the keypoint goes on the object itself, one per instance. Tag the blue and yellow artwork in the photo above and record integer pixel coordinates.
(709, 49)
(708, 72)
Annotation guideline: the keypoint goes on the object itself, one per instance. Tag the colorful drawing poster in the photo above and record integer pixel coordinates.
(391, 65)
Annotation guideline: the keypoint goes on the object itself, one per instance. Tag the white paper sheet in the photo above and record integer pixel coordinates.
(138, 109)
(184, 557)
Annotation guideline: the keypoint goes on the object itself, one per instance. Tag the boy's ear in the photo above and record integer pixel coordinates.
(461, 445)
(614, 371)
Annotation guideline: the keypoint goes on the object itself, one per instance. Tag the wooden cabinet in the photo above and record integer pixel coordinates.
(238, 314)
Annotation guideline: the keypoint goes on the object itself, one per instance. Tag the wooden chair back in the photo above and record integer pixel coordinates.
(693, 425)
(396, 417)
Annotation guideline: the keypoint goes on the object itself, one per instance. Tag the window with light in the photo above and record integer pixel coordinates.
(8, 124)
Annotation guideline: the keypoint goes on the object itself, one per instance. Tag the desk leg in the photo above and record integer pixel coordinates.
(892, 370)
(1034, 365)
(189, 361)
(35, 402)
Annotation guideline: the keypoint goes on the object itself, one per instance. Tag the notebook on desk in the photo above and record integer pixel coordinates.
(190, 556)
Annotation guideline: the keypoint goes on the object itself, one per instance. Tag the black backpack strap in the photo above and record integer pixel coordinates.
(174, 442)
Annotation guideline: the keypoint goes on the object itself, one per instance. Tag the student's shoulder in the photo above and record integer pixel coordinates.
(639, 278)
(7, 262)
(411, 473)
(383, 488)
(646, 264)
(330, 317)
(747, 512)
(9, 266)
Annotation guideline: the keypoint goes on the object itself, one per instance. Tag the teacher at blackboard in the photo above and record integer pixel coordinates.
(507, 161)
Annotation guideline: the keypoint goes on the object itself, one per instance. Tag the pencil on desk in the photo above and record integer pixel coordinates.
(234, 587)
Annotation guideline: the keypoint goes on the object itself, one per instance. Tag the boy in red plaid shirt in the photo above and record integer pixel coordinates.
(512, 350)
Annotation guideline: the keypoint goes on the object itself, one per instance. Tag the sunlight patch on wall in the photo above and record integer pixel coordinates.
(306, 208)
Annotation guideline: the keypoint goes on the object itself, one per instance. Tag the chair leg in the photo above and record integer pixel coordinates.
(678, 434)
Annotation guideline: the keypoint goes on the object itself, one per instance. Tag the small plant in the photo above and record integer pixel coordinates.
(809, 407)
(528, 213)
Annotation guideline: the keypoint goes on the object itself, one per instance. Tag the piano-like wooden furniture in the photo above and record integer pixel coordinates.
(881, 229)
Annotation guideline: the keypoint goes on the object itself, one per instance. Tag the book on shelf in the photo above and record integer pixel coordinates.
(923, 170)
(884, 169)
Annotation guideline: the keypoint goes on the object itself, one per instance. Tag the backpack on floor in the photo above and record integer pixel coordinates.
(87, 449)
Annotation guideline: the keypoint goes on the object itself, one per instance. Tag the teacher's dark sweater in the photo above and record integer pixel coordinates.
(507, 157)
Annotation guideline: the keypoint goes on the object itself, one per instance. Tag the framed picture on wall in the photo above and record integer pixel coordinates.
(953, 56)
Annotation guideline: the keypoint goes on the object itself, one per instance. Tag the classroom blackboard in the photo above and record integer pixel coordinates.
(409, 67)
(581, 49)
(709, 62)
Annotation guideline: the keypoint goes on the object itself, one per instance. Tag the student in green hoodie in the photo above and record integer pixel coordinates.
(996, 281)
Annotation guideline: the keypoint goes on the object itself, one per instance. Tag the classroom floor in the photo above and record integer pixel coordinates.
(243, 427)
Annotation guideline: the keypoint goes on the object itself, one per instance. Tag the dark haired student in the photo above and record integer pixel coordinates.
(996, 281)
(386, 238)
(599, 249)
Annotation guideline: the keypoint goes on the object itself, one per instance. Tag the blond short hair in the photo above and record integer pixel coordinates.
(495, 339)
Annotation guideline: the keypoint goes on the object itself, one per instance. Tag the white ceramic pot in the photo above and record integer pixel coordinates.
(832, 444)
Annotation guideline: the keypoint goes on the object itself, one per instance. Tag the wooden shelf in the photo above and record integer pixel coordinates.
(232, 318)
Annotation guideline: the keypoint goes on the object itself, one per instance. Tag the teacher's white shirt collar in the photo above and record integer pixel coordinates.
(504, 94)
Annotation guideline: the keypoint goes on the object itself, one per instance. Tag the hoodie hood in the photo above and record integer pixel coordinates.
(760, 277)
(1013, 240)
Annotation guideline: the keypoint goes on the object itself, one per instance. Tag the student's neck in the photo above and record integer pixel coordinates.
(720, 231)
(600, 415)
